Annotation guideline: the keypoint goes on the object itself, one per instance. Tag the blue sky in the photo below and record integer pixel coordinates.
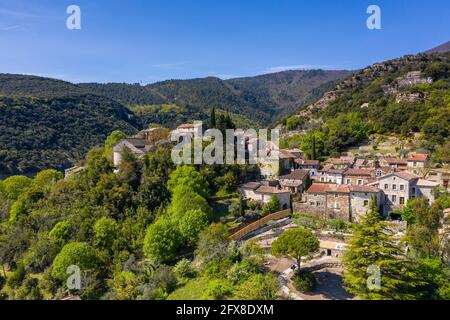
(150, 40)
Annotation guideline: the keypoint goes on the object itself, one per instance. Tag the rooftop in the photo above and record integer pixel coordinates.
(358, 172)
(295, 175)
(419, 157)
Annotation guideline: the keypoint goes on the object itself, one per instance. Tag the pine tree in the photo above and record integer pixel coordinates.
(373, 247)
(213, 119)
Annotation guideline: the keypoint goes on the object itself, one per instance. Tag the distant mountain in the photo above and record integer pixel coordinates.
(262, 99)
(440, 49)
(48, 123)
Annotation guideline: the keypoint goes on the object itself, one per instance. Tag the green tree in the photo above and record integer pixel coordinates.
(373, 246)
(423, 234)
(184, 198)
(162, 240)
(105, 232)
(114, 138)
(212, 243)
(76, 253)
(187, 176)
(296, 243)
(14, 186)
(213, 123)
(293, 123)
(258, 287)
(61, 233)
(273, 205)
(191, 224)
(124, 286)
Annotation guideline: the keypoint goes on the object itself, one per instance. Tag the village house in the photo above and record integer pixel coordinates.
(358, 177)
(331, 201)
(330, 175)
(341, 163)
(439, 175)
(394, 163)
(296, 181)
(140, 144)
(366, 164)
(417, 162)
(263, 191)
(399, 187)
(195, 129)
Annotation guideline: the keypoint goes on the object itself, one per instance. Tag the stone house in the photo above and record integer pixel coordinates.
(330, 175)
(399, 187)
(296, 181)
(417, 162)
(394, 163)
(439, 175)
(331, 201)
(358, 177)
(262, 193)
(341, 163)
(140, 144)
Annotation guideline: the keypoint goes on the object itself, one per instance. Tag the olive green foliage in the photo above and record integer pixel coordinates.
(61, 233)
(296, 243)
(258, 287)
(304, 281)
(191, 224)
(162, 240)
(78, 254)
(114, 138)
(273, 205)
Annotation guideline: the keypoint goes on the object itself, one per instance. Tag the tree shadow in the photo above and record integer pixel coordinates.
(330, 285)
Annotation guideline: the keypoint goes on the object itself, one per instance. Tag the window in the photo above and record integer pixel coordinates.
(378, 173)
(337, 205)
(394, 198)
(312, 203)
(394, 187)
(413, 191)
(402, 187)
(386, 198)
(366, 203)
(360, 182)
(402, 200)
(386, 186)
(322, 179)
(349, 181)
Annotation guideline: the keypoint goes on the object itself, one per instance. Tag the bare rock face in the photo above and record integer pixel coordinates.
(413, 78)
(409, 80)
(410, 97)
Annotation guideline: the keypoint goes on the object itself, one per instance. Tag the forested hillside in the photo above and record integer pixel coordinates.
(403, 96)
(262, 99)
(48, 123)
(40, 133)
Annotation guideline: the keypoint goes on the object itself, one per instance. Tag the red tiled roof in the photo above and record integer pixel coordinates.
(396, 161)
(251, 185)
(358, 172)
(295, 175)
(328, 188)
(366, 189)
(418, 157)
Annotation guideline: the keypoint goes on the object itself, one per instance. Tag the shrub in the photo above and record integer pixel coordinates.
(304, 281)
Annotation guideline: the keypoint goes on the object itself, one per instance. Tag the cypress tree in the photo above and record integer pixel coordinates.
(213, 119)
